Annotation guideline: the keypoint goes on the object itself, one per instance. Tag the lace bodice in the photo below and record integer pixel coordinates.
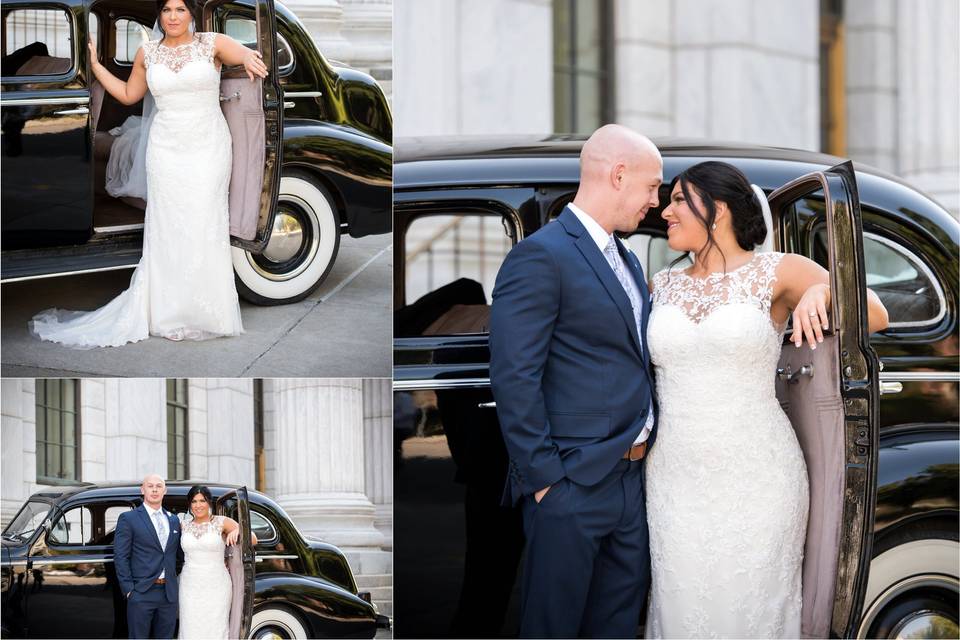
(718, 328)
(751, 284)
(175, 58)
(203, 542)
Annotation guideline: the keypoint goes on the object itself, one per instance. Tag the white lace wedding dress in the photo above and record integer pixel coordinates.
(205, 586)
(727, 487)
(183, 287)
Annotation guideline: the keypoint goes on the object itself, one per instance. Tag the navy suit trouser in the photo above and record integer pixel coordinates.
(586, 568)
(150, 614)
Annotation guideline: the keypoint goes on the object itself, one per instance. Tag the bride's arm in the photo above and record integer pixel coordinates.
(231, 52)
(232, 531)
(804, 288)
(129, 92)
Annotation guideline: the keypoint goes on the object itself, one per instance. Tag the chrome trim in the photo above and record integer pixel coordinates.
(302, 94)
(69, 273)
(923, 268)
(119, 228)
(888, 387)
(894, 591)
(282, 556)
(28, 102)
(460, 383)
(14, 563)
(919, 376)
(43, 562)
(79, 111)
(487, 405)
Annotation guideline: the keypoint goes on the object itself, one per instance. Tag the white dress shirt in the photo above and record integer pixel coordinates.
(153, 521)
(602, 238)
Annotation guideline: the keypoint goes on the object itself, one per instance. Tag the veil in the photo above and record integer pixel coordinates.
(126, 173)
(767, 219)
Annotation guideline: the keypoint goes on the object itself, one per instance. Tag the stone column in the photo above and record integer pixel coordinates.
(871, 82)
(135, 419)
(324, 20)
(18, 444)
(727, 57)
(466, 67)
(93, 430)
(643, 51)
(320, 465)
(378, 452)
(229, 430)
(368, 28)
(929, 97)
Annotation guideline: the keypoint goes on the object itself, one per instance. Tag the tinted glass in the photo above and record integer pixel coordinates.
(37, 42)
(73, 527)
(128, 37)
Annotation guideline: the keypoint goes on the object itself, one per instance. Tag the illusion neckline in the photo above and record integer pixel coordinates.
(720, 274)
(179, 46)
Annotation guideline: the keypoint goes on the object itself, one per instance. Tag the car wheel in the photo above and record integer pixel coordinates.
(914, 587)
(302, 249)
(274, 622)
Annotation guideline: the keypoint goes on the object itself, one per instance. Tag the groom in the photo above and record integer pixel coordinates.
(146, 549)
(570, 371)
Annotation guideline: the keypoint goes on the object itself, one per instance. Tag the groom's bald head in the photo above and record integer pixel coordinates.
(153, 488)
(620, 172)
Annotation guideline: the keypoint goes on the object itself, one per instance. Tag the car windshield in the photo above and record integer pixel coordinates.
(30, 517)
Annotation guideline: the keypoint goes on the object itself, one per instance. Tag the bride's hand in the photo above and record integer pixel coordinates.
(253, 65)
(810, 316)
(233, 536)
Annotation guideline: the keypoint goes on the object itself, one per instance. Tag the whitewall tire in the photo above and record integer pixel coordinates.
(274, 622)
(302, 249)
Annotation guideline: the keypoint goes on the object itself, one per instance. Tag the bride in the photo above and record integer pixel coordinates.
(205, 584)
(183, 287)
(727, 491)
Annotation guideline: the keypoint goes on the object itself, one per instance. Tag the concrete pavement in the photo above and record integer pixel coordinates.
(344, 329)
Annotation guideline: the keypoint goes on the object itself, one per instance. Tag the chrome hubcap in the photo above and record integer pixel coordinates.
(927, 624)
(286, 238)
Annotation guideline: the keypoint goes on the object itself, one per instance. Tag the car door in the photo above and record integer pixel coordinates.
(841, 518)
(255, 118)
(236, 502)
(452, 460)
(47, 184)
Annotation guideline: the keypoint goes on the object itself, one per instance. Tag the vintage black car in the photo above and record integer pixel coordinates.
(876, 416)
(314, 139)
(59, 580)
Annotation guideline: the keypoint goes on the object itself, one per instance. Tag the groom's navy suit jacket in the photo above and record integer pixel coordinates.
(138, 556)
(572, 383)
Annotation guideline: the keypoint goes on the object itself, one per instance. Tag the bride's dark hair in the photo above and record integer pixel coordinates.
(191, 6)
(719, 181)
(202, 490)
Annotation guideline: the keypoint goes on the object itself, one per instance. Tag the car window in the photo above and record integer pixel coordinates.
(128, 37)
(262, 527)
(37, 42)
(244, 30)
(110, 517)
(73, 527)
(654, 254)
(451, 265)
(906, 286)
(27, 521)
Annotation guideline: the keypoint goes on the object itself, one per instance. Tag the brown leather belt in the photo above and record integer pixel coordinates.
(636, 452)
(160, 581)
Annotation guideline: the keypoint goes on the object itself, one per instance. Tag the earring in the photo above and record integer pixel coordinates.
(714, 227)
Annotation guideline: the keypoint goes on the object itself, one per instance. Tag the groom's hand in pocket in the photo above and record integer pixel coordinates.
(538, 496)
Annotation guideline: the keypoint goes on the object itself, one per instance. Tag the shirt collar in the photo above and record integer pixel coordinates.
(599, 235)
(151, 511)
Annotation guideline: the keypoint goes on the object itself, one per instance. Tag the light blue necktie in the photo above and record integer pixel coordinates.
(626, 281)
(161, 528)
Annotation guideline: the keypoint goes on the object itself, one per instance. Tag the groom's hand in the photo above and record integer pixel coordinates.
(538, 496)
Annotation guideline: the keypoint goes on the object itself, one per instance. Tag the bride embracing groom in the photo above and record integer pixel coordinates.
(148, 544)
(692, 486)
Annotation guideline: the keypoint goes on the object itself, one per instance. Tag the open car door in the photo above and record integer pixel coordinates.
(254, 113)
(831, 397)
(240, 562)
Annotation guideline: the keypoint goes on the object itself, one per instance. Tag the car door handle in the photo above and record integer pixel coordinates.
(289, 104)
(890, 387)
(487, 405)
(73, 112)
(793, 377)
